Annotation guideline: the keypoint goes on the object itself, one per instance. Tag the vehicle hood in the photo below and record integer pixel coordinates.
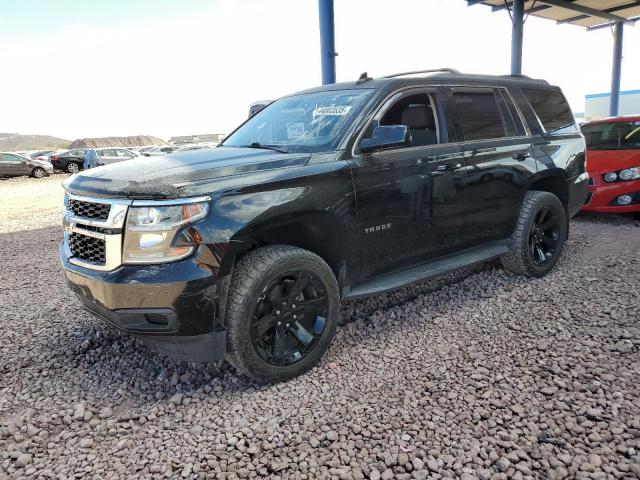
(602, 161)
(164, 176)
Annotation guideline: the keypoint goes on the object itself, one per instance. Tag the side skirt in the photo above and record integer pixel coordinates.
(426, 270)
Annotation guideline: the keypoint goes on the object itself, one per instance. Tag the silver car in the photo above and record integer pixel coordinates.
(109, 155)
(14, 165)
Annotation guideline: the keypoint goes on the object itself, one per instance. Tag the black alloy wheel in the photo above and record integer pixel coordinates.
(282, 312)
(544, 236)
(539, 236)
(289, 318)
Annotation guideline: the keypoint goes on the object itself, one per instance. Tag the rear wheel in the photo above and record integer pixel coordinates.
(73, 167)
(39, 172)
(539, 237)
(282, 312)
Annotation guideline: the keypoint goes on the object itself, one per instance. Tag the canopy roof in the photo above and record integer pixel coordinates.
(585, 13)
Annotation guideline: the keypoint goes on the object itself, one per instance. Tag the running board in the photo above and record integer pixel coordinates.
(424, 271)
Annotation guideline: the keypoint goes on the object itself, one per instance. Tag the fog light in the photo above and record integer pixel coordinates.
(610, 177)
(624, 199)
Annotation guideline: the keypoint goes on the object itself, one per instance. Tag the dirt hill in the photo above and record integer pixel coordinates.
(135, 140)
(13, 142)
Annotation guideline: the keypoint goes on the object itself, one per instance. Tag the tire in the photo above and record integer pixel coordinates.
(252, 305)
(72, 167)
(38, 172)
(529, 246)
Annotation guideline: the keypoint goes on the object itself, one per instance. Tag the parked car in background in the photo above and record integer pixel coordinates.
(192, 146)
(162, 150)
(113, 155)
(47, 156)
(255, 107)
(69, 161)
(14, 165)
(72, 160)
(146, 148)
(41, 153)
(613, 163)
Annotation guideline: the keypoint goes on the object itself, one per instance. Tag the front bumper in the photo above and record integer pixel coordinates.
(603, 195)
(172, 306)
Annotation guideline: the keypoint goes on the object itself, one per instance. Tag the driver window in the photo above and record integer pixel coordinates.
(417, 113)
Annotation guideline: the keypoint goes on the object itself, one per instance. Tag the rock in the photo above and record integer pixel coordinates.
(105, 412)
(86, 443)
(502, 464)
(23, 460)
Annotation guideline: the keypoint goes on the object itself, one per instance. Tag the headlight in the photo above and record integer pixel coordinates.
(629, 173)
(151, 230)
(610, 177)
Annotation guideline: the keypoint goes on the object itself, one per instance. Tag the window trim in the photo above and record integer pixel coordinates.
(542, 127)
(388, 102)
(437, 89)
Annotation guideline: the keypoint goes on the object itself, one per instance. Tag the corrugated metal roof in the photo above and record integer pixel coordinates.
(584, 13)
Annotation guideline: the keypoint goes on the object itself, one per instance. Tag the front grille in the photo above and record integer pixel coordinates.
(89, 209)
(87, 248)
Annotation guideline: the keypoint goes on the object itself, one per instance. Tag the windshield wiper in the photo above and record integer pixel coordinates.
(268, 147)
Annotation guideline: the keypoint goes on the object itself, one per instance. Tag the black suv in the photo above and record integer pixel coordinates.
(348, 190)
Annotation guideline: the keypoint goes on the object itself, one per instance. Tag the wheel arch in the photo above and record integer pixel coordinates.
(318, 232)
(553, 182)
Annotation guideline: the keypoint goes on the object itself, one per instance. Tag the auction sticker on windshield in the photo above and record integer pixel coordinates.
(339, 110)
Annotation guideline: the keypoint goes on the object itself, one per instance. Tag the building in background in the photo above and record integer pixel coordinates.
(205, 137)
(596, 105)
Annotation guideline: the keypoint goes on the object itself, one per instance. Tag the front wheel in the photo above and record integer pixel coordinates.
(539, 237)
(282, 312)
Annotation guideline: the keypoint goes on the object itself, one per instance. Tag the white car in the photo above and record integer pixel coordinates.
(162, 150)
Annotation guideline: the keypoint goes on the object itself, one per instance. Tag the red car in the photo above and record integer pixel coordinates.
(613, 163)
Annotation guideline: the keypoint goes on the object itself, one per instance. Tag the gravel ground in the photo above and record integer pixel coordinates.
(30, 203)
(482, 374)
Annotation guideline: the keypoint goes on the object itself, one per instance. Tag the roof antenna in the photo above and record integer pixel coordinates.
(363, 78)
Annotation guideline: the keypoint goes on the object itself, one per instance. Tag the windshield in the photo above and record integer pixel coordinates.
(307, 123)
(613, 136)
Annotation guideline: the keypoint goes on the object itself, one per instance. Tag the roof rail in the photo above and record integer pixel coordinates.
(432, 70)
(525, 77)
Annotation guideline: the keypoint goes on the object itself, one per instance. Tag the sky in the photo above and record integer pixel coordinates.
(78, 68)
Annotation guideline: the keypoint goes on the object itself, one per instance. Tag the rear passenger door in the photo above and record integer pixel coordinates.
(496, 148)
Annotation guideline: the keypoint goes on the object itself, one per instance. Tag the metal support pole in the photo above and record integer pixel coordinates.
(517, 20)
(327, 42)
(615, 70)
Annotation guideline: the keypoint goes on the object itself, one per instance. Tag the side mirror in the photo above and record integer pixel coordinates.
(386, 136)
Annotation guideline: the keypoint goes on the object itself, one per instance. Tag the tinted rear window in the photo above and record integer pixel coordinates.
(552, 110)
(478, 116)
(613, 136)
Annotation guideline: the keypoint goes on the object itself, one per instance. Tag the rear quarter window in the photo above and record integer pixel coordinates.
(552, 109)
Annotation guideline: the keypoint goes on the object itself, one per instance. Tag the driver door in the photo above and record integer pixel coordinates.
(410, 199)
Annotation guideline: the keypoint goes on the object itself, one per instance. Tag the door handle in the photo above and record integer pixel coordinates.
(521, 156)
